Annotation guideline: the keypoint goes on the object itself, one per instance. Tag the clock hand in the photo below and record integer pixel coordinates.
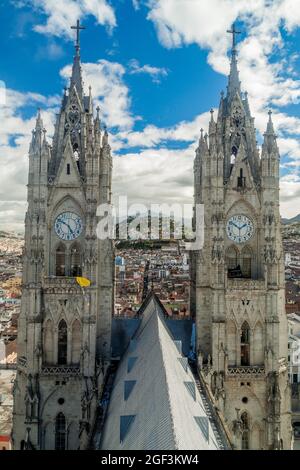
(65, 223)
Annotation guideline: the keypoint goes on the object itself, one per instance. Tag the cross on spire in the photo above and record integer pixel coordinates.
(234, 33)
(78, 28)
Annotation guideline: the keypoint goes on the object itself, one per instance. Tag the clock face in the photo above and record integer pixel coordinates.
(239, 228)
(68, 226)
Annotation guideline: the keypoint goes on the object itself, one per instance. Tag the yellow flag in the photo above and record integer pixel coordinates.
(83, 282)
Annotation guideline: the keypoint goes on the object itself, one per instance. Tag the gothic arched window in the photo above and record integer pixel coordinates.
(245, 345)
(60, 432)
(60, 260)
(62, 350)
(232, 261)
(76, 269)
(76, 342)
(245, 431)
(232, 258)
(48, 342)
(247, 262)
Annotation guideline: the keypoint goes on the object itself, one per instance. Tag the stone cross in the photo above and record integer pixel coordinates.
(78, 28)
(234, 33)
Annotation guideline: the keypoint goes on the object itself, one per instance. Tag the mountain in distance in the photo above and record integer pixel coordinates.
(291, 221)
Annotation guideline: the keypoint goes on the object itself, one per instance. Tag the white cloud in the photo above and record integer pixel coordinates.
(156, 73)
(143, 177)
(136, 4)
(151, 136)
(269, 78)
(64, 13)
(109, 91)
(15, 136)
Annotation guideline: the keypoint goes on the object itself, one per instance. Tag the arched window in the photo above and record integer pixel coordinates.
(60, 432)
(48, 342)
(241, 181)
(245, 345)
(245, 431)
(60, 261)
(232, 258)
(62, 349)
(76, 342)
(76, 269)
(231, 341)
(247, 262)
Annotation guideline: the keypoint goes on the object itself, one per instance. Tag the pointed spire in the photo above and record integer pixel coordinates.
(203, 147)
(105, 137)
(97, 120)
(234, 84)
(270, 143)
(76, 79)
(39, 122)
(246, 104)
(270, 126)
(212, 124)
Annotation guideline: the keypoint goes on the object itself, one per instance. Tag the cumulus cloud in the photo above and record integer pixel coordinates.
(63, 13)
(142, 176)
(15, 135)
(266, 69)
(156, 73)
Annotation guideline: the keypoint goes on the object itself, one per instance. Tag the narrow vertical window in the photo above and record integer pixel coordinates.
(76, 269)
(60, 432)
(68, 169)
(245, 345)
(245, 431)
(61, 261)
(62, 343)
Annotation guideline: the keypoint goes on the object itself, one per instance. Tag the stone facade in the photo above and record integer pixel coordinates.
(64, 330)
(238, 292)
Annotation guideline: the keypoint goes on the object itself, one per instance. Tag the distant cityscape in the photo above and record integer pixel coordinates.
(140, 267)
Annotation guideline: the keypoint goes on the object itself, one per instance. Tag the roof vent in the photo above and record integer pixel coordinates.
(128, 387)
(191, 388)
(184, 362)
(203, 425)
(131, 362)
(125, 425)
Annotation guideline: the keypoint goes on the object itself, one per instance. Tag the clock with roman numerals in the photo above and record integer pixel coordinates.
(239, 228)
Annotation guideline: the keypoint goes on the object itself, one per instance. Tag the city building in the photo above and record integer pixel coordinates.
(238, 284)
(64, 329)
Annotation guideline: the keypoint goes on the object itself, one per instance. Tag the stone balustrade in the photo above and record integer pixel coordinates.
(246, 370)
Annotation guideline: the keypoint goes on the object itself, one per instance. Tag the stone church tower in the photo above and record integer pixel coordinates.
(64, 329)
(238, 290)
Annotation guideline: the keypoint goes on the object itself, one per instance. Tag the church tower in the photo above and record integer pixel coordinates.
(64, 329)
(238, 289)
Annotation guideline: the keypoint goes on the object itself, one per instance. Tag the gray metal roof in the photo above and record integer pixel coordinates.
(155, 402)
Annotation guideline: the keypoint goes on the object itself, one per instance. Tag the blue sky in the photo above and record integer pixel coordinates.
(156, 68)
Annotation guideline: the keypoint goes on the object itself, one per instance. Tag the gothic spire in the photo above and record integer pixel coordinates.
(76, 79)
(234, 84)
(270, 126)
(270, 143)
(39, 122)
